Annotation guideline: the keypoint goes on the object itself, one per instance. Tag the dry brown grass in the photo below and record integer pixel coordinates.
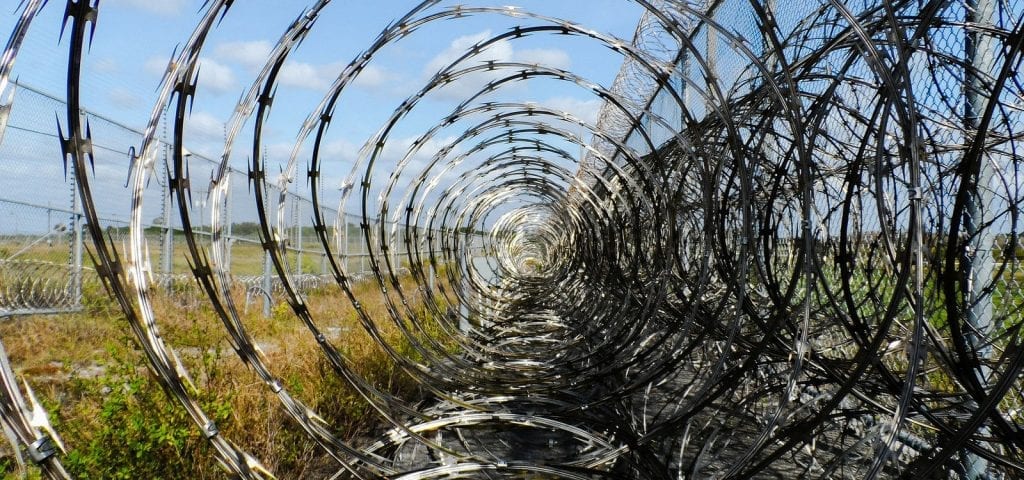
(87, 369)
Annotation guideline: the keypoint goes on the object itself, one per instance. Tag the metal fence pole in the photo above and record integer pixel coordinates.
(364, 249)
(766, 46)
(981, 52)
(77, 247)
(168, 246)
(431, 272)
(228, 222)
(711, 50)
(344, 233)
(394, 247)
(266, 284)
(298, 235)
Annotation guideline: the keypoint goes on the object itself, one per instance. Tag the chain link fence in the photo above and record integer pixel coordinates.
(44, 260)
(41, 246)
(721, 62)
(846, 196)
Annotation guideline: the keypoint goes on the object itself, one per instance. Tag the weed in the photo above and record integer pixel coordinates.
(118, 422)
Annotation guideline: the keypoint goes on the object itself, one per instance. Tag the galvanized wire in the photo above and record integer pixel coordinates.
(790, 248)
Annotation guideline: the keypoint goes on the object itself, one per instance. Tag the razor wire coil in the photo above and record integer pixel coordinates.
(789, 245)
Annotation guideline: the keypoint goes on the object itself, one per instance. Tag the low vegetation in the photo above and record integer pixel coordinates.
(117, 422)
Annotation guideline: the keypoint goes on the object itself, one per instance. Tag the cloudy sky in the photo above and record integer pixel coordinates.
(135, 38)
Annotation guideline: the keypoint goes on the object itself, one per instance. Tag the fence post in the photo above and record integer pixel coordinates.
(168, 243)
(430, 266)
(344, 232)
(229, 239)
(394, 246)
(711, 53)
(270, 205)
(266, 284)
(77, 247)
(298, 235)
(981, 52)
(365, 239)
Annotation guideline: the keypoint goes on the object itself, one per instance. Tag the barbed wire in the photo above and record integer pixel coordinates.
(791, 247)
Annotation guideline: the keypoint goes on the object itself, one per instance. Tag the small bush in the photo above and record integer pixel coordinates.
(117, 421)
(125, 426)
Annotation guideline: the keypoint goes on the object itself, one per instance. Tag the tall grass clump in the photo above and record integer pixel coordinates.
(117, 422)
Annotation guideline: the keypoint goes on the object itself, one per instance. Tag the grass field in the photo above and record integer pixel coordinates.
(117, 422)
(246, 254)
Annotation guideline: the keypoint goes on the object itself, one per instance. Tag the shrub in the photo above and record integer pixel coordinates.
(124, 425)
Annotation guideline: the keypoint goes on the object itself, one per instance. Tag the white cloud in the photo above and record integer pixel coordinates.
(159, 7)
(397, 148)
(215, 76)
(333, 153)
(501, 51)
(309, 76)
(340, 151)
(344, 152)
(279, 151)
(251, 55)
(547, 57)
(373, 77)
(586, 110)
(124, 98)
(204, 130)
(339, 155)
(156, 65)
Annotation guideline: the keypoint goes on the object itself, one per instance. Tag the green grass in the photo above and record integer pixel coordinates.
(117, 422)
(247, 257)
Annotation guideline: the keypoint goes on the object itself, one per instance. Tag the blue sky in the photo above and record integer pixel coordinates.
(135, 38)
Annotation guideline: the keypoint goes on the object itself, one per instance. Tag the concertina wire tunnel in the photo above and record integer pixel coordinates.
(805, 266)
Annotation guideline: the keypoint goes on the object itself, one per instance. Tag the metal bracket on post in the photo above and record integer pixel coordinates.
(41, 449)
